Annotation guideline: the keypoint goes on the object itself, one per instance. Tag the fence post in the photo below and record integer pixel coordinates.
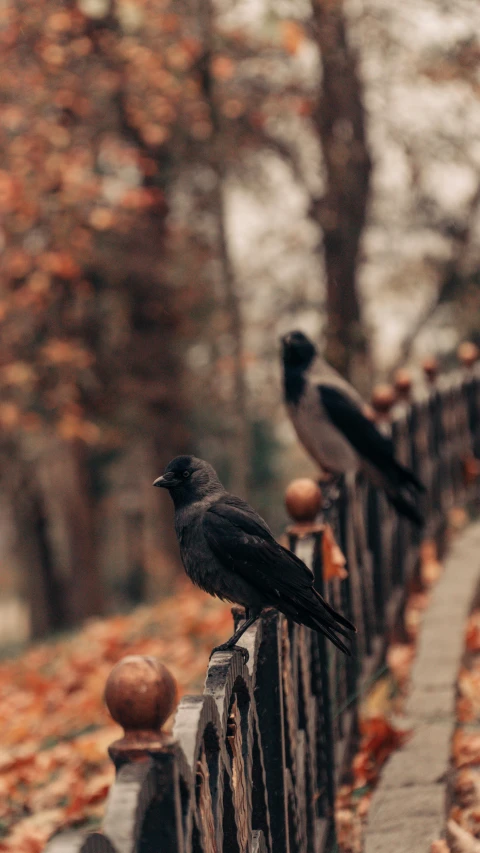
(144, 801)
(468, 355)
(383, 400)
(141, 694)
(304, 502)
(402, 382)
(430, 369)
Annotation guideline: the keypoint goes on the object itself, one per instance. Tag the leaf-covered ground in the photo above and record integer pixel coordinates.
(54, 727)
(463, 827)
(382, 729)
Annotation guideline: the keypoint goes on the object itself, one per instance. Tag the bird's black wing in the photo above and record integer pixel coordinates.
(363, 435)
(242, 542)
(240, 536)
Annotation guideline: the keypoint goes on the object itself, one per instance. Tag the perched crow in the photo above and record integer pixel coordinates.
(328, 416)
(229, 551)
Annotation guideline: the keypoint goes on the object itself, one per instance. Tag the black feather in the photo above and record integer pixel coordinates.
(294, 385)
(242, 540)
(367, 440)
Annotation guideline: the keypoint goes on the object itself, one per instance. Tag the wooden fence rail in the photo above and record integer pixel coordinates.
(253, 763)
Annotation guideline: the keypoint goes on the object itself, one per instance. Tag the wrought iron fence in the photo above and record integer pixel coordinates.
(253, 763)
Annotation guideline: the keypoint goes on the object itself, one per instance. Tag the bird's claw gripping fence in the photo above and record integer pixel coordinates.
(253, 763)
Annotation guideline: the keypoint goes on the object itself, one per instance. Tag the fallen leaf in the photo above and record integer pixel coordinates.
(459, 840)
(333, 560)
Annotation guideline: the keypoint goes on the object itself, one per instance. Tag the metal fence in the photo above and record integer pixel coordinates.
(253, 763)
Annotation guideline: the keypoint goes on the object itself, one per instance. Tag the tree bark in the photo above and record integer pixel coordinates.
(453, 282)
(340, 123)
(66, 496)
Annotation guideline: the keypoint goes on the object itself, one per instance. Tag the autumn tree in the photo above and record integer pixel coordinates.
(97, 105)
(340, 122)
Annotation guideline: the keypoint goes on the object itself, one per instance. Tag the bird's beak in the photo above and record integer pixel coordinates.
(164, 482)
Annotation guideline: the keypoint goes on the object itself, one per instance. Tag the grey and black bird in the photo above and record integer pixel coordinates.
(330, 421)
(228, 550)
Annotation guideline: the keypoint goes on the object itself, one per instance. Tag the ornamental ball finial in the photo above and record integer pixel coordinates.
(140, 694)
(383, 398)
(430, 367)
(468, 353)
(303, 499)
(403, 382)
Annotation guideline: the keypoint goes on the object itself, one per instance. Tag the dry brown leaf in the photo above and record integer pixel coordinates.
(50, 695)
(333, 560)
(461, 841)
(292, 35)
(466, 748)
(378, 740)
(399, 660)
(473, 632)
(467, 788)
(471, 469)
(349, 831)
(439, 846)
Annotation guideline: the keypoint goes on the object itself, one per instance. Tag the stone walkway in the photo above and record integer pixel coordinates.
(408, 806)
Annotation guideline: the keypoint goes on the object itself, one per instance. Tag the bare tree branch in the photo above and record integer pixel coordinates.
(452, 282)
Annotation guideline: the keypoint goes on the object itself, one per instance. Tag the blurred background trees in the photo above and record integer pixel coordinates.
(179, 185)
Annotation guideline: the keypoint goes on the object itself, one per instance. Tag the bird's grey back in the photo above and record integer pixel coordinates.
(321, 372)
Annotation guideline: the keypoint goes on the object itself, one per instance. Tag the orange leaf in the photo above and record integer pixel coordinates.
(466, 748)
(333, 560)
(399, 659)
(473, 632)
(292, 36)
(222, 68)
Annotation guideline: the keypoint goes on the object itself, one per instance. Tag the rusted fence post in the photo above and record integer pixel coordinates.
(145, 799)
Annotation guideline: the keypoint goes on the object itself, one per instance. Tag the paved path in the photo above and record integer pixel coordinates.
(408, 807)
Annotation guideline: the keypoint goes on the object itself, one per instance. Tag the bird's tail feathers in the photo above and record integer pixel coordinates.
(336, 615)
(334, 639)
(405, 507)
(408, 478)
(306, 618)
(318, 615)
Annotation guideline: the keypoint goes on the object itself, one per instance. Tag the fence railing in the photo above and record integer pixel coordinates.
(253, 763)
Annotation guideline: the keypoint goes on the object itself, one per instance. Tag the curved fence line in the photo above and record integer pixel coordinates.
(254, 762)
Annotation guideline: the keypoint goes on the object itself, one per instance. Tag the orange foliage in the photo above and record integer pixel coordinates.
(378, 740)
(379, 736)
(473, 632)
(333, 560)
(82, 124)
(292, 35)
(54, 768)
(463, 826)
(399, 659)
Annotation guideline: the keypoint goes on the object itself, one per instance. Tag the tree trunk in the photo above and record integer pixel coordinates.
(39, 585)
(152, 388)
(63, 477)
(341, 213)
(55, 540)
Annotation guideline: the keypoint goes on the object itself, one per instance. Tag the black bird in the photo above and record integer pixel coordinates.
(328, 416)
(229, 552)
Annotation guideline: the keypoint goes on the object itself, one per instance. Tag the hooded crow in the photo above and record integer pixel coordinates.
(228, 551)
(330, 421)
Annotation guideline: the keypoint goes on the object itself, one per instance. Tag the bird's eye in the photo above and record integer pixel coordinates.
(186, 474)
